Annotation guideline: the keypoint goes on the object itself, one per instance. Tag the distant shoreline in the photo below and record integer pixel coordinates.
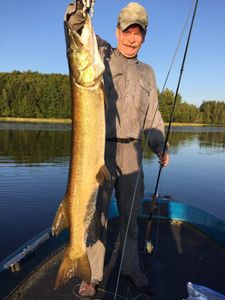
(35, 120)
(188, 124)
(68, 121)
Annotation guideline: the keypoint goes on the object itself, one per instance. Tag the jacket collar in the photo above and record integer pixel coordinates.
(118, 62)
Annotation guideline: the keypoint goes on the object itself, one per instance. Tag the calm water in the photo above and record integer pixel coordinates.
(34, 160)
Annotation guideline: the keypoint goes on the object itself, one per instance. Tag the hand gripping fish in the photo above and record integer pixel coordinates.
(87, 170)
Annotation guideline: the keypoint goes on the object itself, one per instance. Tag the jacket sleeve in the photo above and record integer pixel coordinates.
(75, 18)
(105, 49)
(154, 126)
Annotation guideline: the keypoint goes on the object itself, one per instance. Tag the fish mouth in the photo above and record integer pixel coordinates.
(85, 64)
(83, 39)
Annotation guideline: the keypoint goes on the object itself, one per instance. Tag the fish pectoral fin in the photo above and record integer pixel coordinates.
(60, 221)
(69, 268)
(103, 174)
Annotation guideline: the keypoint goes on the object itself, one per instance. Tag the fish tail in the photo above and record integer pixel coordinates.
(60, 221)
(73, 267)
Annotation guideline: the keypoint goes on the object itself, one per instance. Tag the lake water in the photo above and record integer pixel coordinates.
(34, 161)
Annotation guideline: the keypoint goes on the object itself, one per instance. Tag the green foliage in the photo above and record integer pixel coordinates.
(213, 112)
(34, 95)
(210, 112)
(183, 112)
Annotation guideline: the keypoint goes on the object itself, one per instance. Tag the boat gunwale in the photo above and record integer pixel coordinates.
(211, 225)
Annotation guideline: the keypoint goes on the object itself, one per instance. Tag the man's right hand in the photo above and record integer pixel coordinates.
(88, 5)
(164, 159)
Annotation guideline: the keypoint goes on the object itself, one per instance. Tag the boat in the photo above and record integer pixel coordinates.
(189, 246)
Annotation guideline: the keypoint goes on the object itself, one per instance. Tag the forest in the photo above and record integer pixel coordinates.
(36, 95)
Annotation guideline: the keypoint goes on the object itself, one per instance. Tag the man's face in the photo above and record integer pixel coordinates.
(129, 41)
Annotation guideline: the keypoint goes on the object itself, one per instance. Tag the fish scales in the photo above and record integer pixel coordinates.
(87, 169)
(87, 160)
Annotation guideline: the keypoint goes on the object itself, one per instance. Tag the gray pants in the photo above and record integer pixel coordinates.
(123, 162)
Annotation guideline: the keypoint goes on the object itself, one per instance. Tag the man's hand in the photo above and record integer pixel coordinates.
(164, 159)
(88, 3)
(88, 6)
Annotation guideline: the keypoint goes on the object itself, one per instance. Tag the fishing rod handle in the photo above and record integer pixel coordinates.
(148, 227)
(148, 248)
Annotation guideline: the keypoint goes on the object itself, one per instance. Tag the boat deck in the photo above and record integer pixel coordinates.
(181, 254)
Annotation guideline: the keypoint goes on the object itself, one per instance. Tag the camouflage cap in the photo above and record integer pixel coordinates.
(133, 13)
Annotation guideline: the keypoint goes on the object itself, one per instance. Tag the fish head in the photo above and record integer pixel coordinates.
(85, 64)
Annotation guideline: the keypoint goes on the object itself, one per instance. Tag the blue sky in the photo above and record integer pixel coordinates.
(32, 38)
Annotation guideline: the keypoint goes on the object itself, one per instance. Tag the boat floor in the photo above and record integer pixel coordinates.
(181, 254)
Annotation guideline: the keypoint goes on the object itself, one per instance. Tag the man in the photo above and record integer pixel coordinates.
(131, 109)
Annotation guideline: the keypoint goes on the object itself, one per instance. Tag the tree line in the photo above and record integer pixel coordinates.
(36, 95)
(211, 112)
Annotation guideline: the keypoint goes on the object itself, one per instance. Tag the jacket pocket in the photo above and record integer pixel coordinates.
(141, 94)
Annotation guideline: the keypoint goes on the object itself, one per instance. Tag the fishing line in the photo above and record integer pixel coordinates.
(165, 144)
(162, 90)
(171, 119)
(157, 225)
(145, 147)
(178, 45)
(168, 73)
(105, 292)
(169, 70)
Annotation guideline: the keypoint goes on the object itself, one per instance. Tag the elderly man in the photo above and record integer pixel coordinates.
(131, 109)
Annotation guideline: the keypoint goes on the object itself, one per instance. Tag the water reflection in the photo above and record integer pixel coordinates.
(49, 143)
(211, 139)
(34, 145)
(34, 162)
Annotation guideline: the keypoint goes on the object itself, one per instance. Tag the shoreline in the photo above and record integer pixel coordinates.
(69, 121)
(36, 120)
(188, 124)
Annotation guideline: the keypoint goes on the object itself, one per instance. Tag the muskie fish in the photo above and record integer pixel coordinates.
(87, 169)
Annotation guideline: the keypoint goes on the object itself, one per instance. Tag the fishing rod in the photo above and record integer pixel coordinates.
(148, 247)
(148, 242)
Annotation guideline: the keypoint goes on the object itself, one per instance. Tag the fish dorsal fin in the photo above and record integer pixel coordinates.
(103, 174)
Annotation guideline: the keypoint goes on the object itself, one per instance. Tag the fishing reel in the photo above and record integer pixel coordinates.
(148, 249)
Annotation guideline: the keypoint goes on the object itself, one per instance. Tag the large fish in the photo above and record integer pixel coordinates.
(87, 169)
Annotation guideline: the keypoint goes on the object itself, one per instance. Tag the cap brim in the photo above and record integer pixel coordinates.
(125, 25)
